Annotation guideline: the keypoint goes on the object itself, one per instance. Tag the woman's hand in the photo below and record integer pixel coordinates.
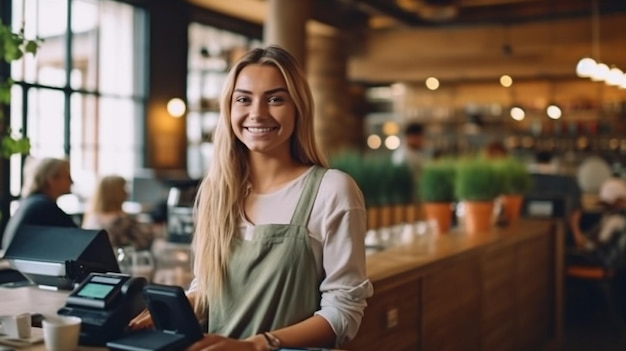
(142, 321)
(214, 342)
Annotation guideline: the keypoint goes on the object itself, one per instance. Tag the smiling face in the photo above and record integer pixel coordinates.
(263, 115)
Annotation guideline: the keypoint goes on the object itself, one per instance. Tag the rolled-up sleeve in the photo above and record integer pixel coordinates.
(345, 288)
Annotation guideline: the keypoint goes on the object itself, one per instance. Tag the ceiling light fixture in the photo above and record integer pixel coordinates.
(588, 67)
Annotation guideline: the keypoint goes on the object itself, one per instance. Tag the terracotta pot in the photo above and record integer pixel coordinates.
(373, 217)
(399, 214)
(440, 213)
(386, 216)
(511, 207)
(413, 213)
(478, 216)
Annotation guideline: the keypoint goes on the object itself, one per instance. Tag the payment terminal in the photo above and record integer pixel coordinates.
(175, 324)
(105, 302)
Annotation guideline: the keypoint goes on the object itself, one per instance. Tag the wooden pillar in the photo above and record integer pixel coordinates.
(337, 127)
(286, 26)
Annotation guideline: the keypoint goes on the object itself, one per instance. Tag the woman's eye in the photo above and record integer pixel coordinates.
(276, 99)
(242, 99)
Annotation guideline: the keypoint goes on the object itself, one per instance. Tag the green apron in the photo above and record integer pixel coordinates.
(271, 280)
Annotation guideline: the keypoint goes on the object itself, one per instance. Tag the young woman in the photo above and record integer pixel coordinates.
(279, 241)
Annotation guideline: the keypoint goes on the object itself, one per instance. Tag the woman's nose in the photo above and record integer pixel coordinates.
(258, 110)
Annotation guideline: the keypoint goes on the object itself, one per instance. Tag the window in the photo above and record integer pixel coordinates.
(82, 96)
(211, 53)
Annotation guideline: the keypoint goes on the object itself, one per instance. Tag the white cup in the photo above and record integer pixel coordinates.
(60, 333)
(16, 326)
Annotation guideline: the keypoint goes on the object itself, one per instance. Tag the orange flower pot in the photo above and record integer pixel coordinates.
(440, 213)
(511, 207)
(478, 216)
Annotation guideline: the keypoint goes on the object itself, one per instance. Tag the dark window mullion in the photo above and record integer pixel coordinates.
(68, 72)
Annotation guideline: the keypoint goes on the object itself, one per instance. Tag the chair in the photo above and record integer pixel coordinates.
(581, 266)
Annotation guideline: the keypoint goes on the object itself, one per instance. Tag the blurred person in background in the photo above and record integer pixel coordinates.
(612, 197)
(548, 182)
(105, 211)
(45, 180)
(495, 150)
(412, 151)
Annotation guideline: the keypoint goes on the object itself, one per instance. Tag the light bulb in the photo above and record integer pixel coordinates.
(600, 73)
(615, 76)
(517, 113)
(554, 112)
(176, 107)
(585, 67)
(432, 83)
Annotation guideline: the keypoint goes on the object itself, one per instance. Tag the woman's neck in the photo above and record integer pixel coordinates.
(269, 174)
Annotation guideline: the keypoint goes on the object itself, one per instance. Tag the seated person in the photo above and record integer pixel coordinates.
(105, 212)
(612, 197)
(45, 180)
(549, 183)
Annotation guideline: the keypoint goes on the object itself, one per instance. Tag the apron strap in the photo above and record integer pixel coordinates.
(307, 199)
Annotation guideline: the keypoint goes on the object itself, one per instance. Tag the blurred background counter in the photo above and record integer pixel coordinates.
(497, 290)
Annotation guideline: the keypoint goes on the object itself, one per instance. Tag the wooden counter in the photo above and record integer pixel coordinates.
(500, 290)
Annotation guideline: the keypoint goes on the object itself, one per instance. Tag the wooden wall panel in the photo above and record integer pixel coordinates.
(391, 320)
(534, 292)
(451, 307)
(499, 305)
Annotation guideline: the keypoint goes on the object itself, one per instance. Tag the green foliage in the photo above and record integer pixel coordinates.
(14, 144)
(515, 176)
(13, 46)
(436, 181)
(381, 181)
(477, 180)
(402, 182)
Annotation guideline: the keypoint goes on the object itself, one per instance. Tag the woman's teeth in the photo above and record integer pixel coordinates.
(259, 130)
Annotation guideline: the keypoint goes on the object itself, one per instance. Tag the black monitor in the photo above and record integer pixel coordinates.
(60, 257)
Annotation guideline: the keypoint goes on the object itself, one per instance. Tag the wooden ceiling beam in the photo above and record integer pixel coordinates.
(536, 50)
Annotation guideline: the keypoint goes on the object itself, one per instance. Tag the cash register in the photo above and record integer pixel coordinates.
(105, 302)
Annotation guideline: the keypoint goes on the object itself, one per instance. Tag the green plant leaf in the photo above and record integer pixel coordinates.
(31, 47)
(477, 180)
(436, 181)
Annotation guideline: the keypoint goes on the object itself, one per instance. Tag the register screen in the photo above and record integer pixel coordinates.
(95, 291)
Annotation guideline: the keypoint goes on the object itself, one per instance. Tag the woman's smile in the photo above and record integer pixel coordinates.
(260, 130)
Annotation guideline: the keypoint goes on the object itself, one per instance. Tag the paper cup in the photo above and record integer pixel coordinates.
(60, 333)
(16, 326)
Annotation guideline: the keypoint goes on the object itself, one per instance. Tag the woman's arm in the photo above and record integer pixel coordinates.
(313, 331)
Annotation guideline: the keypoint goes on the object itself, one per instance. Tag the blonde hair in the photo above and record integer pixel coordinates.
(38, 172)
(109, 195)
(219, 203)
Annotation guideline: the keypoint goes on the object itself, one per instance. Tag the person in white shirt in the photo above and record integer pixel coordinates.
(612, 196)
(280, 239)
(412, 151)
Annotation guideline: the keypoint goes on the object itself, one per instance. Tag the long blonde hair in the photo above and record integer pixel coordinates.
(109, 195)
(219, 203)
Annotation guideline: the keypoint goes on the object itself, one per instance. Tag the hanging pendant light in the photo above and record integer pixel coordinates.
(585, 67)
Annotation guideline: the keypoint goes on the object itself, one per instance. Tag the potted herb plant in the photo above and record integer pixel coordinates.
(516, 181)
(436, 192)
(477, 185)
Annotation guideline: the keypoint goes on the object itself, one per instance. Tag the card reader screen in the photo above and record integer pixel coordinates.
(95, 291)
